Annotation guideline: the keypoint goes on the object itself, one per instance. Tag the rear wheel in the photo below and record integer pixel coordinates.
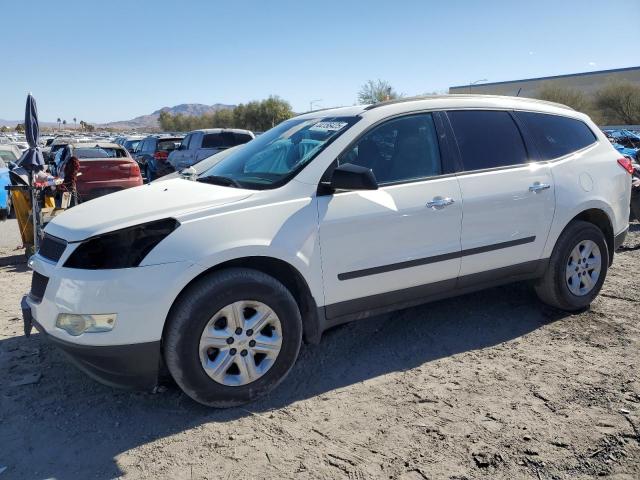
(577, 268)
(232, 337)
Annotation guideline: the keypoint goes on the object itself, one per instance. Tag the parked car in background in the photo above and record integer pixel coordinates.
(200, 144)
(5, 198)
(407, 201)
(626, 138)
(9, 153)
(57, 144)
(131, 143)
(104, 168)
(152, 153)
(202, 165)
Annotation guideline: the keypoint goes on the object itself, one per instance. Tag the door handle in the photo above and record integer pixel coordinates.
(440, 202)
(538, 187)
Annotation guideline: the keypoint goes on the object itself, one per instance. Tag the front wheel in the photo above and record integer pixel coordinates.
(232, 337)
(577, 268)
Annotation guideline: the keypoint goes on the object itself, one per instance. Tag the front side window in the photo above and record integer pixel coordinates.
(556, 136)
(279, 154)
(399, 150)
(487, 139)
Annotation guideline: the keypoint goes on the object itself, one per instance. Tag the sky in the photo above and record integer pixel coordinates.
(106, 61)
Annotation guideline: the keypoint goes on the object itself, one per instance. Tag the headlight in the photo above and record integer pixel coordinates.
(78, 324)
(122, 248)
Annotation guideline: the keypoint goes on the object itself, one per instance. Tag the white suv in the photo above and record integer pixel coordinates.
(330, 216)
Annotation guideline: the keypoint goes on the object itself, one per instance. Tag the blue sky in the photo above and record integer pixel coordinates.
(104, 61)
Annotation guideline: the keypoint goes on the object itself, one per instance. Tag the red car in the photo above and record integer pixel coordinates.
(104, 168)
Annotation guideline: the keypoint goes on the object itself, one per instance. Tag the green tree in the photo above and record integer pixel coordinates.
(255, 115)
(20, 128)
(619, 103)
(375, 91)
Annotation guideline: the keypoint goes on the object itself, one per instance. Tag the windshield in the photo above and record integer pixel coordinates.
(8, 156)
(276, 156)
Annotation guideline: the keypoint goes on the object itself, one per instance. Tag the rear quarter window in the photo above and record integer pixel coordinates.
(555, 135)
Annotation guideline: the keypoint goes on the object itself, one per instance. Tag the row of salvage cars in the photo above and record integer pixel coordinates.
(627, 142)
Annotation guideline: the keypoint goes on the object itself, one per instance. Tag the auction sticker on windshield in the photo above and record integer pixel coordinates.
(328, 126)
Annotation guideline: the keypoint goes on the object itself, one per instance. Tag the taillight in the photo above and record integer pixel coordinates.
(160, 155)
(625, 163)
(135, 170)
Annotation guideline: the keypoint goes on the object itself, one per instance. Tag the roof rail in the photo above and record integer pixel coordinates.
(460, 95)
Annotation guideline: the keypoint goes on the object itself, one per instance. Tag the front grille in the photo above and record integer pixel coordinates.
(52, 248)
(38, 286)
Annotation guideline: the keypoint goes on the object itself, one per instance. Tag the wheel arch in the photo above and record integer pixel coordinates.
(282, 271)
(600, 219)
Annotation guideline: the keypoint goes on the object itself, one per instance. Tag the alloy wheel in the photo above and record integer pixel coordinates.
(240, 343)
(583, 268)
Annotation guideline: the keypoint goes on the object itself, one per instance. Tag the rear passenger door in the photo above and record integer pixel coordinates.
(508, 197)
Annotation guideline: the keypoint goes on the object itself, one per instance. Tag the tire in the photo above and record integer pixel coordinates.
(635, 204)
(196, 308)
(553, 288)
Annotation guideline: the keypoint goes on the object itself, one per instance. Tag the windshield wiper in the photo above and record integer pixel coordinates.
(219, 180)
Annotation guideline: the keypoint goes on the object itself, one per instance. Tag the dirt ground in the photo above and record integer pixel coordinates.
(490, 385)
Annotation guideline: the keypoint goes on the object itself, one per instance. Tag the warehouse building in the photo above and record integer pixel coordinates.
(588, 82)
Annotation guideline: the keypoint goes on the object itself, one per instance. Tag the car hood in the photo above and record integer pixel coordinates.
(137, 205)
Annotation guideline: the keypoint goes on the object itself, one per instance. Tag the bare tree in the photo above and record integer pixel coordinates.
(375, 91)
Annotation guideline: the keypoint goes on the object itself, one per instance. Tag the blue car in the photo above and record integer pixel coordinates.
(9, 155)
(627, 152)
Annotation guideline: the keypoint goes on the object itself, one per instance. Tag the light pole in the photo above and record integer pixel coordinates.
(312, 102)
(476, 82)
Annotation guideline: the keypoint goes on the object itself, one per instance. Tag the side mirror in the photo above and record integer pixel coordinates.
(353, 177)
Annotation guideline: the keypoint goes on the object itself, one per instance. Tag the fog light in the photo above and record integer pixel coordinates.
(76, 325)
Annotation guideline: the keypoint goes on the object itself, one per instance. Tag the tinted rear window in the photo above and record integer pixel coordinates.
(556, 136)
(168, 145)
(487, 139)
(99, 153)
(224, 139)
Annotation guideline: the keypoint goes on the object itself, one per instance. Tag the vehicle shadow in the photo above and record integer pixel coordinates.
(14, 263)
(67, 426)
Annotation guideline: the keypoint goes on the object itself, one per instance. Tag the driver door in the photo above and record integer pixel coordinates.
(400, 243)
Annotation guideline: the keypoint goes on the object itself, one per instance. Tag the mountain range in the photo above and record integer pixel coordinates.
(143, 122)
(151, 120)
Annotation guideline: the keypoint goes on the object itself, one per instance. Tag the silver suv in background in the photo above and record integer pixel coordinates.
(200, 144)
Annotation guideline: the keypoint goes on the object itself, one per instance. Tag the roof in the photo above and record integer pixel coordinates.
(219, 130)
(470, 97)
(553, 77)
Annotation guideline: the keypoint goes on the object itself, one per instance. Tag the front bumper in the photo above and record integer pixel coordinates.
(130, 354)
(134, 366)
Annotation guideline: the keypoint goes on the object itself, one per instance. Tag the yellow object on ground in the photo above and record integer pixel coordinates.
(22, 208)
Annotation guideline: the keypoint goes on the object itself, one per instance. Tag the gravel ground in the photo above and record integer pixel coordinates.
(490, 385)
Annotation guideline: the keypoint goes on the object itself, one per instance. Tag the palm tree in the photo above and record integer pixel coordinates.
(64, 122)
(59, 123)
(75, 122)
